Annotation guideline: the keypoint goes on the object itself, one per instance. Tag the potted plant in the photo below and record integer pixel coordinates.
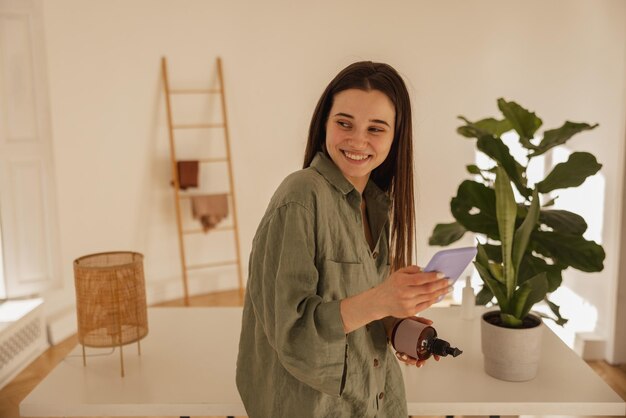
(526, 244)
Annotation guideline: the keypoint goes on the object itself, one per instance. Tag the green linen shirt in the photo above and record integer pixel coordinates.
(308, 254)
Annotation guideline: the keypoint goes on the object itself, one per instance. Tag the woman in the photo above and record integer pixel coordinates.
(320, 299)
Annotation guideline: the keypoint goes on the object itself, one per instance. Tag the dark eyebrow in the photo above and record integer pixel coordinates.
(371, 120)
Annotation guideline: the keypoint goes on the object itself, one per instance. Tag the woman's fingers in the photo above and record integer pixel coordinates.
(414, 301)
(406, 359)
(420, 363)
(419, 297)
(410, 361)
(421, 278)
(411, 269)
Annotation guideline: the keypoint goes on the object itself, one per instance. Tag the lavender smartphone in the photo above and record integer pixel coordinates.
(451, 262)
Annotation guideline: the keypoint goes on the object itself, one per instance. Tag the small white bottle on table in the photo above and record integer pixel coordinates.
(468, 300)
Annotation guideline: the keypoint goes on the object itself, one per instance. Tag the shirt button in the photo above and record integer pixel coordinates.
(381, 395)
(376, 363)
(375, 255)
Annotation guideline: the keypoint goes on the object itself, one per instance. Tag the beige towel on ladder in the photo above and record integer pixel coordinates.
(210, 209)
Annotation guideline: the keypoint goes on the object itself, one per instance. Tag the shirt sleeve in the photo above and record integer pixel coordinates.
(305, 331)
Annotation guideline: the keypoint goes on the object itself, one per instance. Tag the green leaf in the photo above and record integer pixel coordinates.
(524, 122)
(470, 195)
(556, 310)
(481, 255)
(494, 252)
(496, 288)
(510, 321)
(571, 173)
(497, 272)
(550, 202)
(529, 293)
(563, 221)
(489, 126)
(554, 137)
(506, 212)
(522, 235)
(532, 265)
(497, 150)
(473, 169)
(484, 296)
(446, 234)
(570, 250)
(494, 269)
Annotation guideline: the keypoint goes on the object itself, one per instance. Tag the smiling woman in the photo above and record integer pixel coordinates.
(327, 280)
(359, 133)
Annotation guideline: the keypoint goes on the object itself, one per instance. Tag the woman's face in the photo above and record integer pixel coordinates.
(359, 133)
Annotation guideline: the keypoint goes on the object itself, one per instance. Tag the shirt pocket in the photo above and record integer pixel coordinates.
(342, 279)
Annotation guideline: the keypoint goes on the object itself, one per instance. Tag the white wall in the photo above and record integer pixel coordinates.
(564, 59)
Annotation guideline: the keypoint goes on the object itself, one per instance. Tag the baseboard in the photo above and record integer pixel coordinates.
(61, 325)
(218, 280)
(590, 346)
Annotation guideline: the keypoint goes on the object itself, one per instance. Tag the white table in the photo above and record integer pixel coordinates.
(187, 368)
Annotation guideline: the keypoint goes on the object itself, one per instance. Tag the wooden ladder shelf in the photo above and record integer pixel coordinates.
(172, 127)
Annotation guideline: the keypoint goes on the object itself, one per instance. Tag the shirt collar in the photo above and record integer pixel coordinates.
(327, 168)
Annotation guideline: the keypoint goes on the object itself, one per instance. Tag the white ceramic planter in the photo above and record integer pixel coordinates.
(511, 354)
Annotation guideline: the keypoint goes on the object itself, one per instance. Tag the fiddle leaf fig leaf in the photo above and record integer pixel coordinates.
(532, 265)
(496, 149)
(488, 126)
(563, 221)
(524, 122)
(446, 234)
(473, 169)
(550, 202)
(556, 310)
(474, 207)
(571, 173)
(554, 137)
(494, 252)
(570, 250)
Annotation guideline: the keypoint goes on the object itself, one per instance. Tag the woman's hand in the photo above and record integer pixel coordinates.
(405, 358)
(404, 293)
(408, 291)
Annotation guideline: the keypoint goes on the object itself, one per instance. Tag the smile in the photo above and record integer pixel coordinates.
(355, 157)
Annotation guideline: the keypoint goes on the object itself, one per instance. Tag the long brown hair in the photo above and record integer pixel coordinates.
(395, 174)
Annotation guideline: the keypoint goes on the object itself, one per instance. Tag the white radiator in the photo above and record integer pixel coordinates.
(22, 336)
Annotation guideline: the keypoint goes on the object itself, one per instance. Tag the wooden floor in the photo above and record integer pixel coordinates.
(12, 394)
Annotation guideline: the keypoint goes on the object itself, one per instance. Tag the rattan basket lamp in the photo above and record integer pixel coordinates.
(110, 300)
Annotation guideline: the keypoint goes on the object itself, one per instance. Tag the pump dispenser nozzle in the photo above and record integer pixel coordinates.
(442, 348)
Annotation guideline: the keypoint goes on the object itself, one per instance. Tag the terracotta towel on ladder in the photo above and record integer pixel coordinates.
(210, 209)
(187, 174)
